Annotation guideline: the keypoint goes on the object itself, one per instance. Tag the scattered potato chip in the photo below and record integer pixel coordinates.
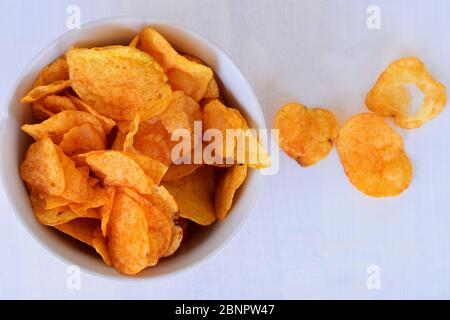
(119, 82)
(390, 98)
(81, 139)
(45, 90)
(190, 77)
(373, 157)
(306, 135)
(178, 171)
(131, 248)
(194, 195)
(118, 169)
(42, 169)
(57, 125)
(79, 104)
(228, 184)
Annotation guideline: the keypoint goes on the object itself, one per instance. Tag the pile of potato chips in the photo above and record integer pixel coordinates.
(101, 167)
(370, 151)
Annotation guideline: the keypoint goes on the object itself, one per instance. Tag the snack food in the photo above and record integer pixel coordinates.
(373, 157)
(390, 97)
(306, 135)
(101, 168)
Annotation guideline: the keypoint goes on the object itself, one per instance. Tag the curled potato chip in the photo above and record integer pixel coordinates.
(50, 217)
(190, 77)
(45, 90)
(42, 169)
(81, 139)
(57, 125)
(228, 184)
(119, 82)
(194, 195)
(81, 229)
(79, 104)
(242, 147)
(178, 171)
(119, 169)
(306, 135)
(177, 237)
(105, 210)
(55, 103)
(373, 157)
(390, 98)
(155, 169)
(130, 246)
(100, 245)
(212, 90)
(56, 71)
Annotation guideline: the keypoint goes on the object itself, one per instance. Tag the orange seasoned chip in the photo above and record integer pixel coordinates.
(177, 237)
(81, 139)
(100, 245)
(79, 104)
(190, 77)
(155, 169)
(390, 97)
(57, 125)
(119, 81)
(55, 103)
(81, 229)
(194, 195)
(373, 157)
(105, 210)
(50, 217)
(130, 246)
(42, 169)
(228, 184)
(306, 135)
(212, 90)
(178, 171)
(134, 42)
(56, 71)
(41, 92)
(119, 169)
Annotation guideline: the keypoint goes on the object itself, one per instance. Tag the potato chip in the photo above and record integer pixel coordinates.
(56, 71)
(132, 130)
(41, 113)
(194, 195)
(177, 237)
(42, 169)
(390, 98)
(306, 135)
(55, 103)
(79, 104)
(228, 184)
(50, 217)
(190, 77)
(134, 42)
(57, 125)
(118, 169)
(155, 169)
(100, 245)
(105, 210)
(130, 246)
(81, 229)
(53, 202)
(45, 90)
(119, 82)
(178, 171)
(212, 90)
(181, 113)
(81, 139)
(373, 157)
(244, 147)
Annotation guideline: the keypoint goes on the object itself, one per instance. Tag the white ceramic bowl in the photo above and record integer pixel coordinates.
(205, 241)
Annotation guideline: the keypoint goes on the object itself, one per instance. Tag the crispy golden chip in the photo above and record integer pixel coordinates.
(306, 135)
(178, 171)
(55, 103)
(57, 125)
(180, 113)
(81, 139)
(119, 169)
(41, 113)
(79, 104)
(41, 92)
(132, 130)
(390, 98)
(50, 217)
(373, 157)
(105, 210)
(243, 147)
(53, 202)
(177, 237)
(119, 82)
(81, 229)
(42, 169)
(212, 90)
(190, 77)
(100, 245)
(155, 169)
(130, 245)
(56, 71)
(194, 195)
(228, 184)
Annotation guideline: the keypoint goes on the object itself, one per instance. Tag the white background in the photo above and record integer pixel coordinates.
(311, 235)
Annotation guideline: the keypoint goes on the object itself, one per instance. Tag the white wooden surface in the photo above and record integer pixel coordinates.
(312, 235)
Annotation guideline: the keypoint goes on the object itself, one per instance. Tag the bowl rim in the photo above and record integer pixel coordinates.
(5, 119)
